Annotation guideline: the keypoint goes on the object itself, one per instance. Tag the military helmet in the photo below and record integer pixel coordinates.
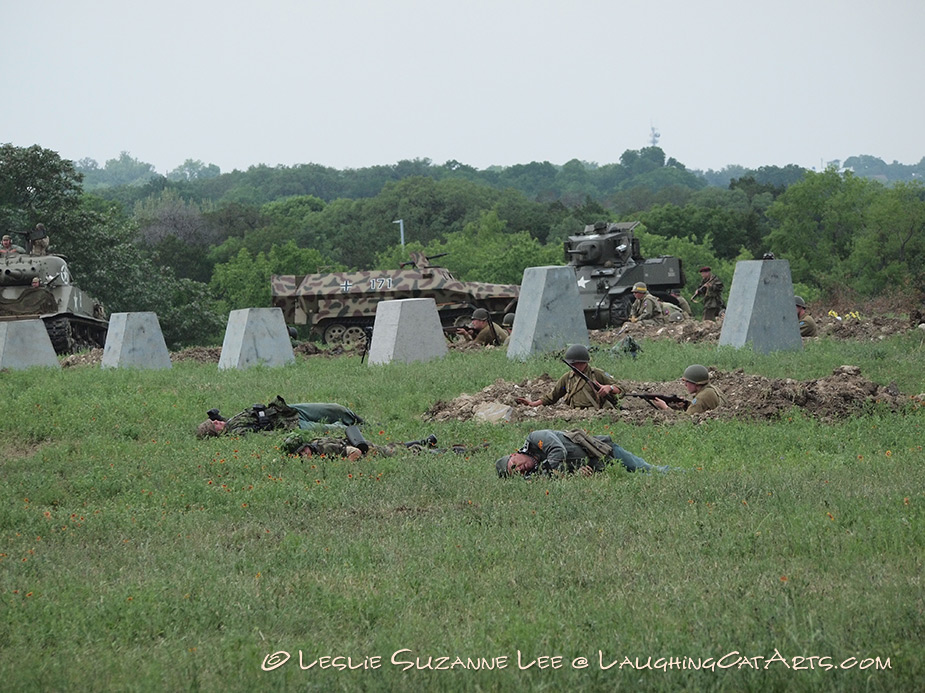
(577, 354)
(7, 237)
(501, 465)
(480, 314)
(799, 301)
(508, 320)
(640, 288)
(697, 374)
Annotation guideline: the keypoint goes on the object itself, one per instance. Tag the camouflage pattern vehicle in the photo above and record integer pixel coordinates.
(608, 262)
(341, 305)
(73, 318)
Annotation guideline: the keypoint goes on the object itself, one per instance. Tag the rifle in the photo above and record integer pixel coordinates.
(452, 330)
(672, 401)
(609, 397)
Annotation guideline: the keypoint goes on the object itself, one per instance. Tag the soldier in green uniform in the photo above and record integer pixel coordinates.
(646, 308)
(575, 390)
(806, 322)
(566, 452)
(277, 414)
(682, 302)
(711, 288)
(696, 380)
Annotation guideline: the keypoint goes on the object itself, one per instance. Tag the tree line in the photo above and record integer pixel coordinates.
(198, 243)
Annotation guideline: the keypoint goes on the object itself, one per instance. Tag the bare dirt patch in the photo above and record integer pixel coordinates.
(752, 397)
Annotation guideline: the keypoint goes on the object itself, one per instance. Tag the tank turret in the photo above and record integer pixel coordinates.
(340, 305)
(39, 287)
(607, 262)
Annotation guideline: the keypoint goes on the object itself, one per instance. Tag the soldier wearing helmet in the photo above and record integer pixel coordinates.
(696, 380)
(487, 333)
(508, 325)
(807, 324)
(711, 289)
(646, 307)
(574, 390)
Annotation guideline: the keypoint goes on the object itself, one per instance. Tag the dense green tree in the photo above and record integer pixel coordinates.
(817, 221)
(889, 252)
(244, 281)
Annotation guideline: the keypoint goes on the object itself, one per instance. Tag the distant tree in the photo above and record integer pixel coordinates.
(194, 170)
(889, 252)
(817, 221)
(37, 185)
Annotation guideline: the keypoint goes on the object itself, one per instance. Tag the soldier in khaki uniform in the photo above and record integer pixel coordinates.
(682, 302)
(574, 390)
(696, 379)
(646, 308)
(711, 288)
(807, 324)
(487, 332)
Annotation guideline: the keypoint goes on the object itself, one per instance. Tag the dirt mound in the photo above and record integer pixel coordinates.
(751, 397)
(849, 326)
(93, 357)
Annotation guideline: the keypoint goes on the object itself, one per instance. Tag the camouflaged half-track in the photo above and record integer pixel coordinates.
(341, 305)
(608, 262)
(73, 318)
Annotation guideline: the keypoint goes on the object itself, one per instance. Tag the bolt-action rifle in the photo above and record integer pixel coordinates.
(672, 401)
(609, 397)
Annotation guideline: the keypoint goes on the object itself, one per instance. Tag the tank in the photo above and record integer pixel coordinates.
(73, 318)
(607, 261)
(341, 305)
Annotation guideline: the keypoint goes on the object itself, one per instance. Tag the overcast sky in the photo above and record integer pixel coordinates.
(354, 83)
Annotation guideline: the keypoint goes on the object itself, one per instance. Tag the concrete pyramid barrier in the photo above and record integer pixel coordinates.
(256, 337)
(549, 313)
(407, 330)
(24, 344)
(760, 310)
(135, 340)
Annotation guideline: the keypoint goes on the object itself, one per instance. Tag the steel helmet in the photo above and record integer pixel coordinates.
(697, 374)
(577, 354)
(640, 287)
(799, 301)
(480, 314)
(508, 320)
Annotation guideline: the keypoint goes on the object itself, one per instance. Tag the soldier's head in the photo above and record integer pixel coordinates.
(695, 378)
(640, 289)
(36, 283)
(801, 305)
(210, 428)
(705, 271)
(516, 463)
(40, 227)
(7, 241)
(508, 320)
(577, 355)
(479, 318)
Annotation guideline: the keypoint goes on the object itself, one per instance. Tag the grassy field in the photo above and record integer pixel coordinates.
(134, 557)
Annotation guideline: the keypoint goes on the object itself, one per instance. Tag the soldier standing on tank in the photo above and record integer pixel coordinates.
(807, 324)
(711, 288)
(575, 391)
(696, 380)
(39, 240)
(646, 308)
(487, 333)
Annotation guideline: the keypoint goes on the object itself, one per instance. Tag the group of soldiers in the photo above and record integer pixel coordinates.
(647, 308)
(37, 240)
(544, 451)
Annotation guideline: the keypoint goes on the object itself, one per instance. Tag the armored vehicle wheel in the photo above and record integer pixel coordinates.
(333, 334)
(61, 334)
(620, 310)
(353, 335)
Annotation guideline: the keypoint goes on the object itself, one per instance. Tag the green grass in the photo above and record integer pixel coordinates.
(135, 557)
